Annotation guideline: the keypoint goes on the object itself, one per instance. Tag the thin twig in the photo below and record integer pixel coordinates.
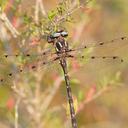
(16, 113)
(21, 94)
(37, 12)
(39, 6)
(42, 7)
(53, 91)
(4, 36)
(8, 24)
(72, 10)
(95, 96)
(98, 94)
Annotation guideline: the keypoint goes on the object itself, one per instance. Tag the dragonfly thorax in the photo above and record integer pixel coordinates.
(61, 45)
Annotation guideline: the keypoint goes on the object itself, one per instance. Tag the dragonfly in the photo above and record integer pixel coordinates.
(62, 52)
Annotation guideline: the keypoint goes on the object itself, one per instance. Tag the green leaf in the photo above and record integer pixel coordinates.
(27, 19)
(52, 14)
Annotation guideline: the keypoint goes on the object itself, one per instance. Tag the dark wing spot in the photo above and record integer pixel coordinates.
(6, 56)
(82, 56)
(122, 60)
(28, 55)
(10, 74)
(44, 63)
(1, 80)
(44, 53)
(93, 57)
(33, 67)
(122, 38)
(16, 55)
(69, 50)
(104, 57)
(21, 70)
(101, 43)
(114, 57)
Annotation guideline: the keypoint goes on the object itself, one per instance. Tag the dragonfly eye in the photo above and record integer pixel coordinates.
(64, 34)
(56, 35)
(50, 39)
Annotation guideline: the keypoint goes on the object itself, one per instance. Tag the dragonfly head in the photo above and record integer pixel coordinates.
(58, 34)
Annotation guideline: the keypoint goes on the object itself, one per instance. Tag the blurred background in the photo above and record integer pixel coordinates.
(38, 98)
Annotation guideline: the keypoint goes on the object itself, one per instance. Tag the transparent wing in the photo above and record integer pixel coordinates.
(14, 71)
(22, 58)
(98, 69)
(101, 55)
(100, 44)
(117, 58)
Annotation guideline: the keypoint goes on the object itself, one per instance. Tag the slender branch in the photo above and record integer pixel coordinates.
(37, 12)
(4, 36)
(39, 6)
(98, 94)
(53, 91)
(95, 96)
(21, 94)
(16, 113)
(8, 24)
(73, 9)
(42, 7)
